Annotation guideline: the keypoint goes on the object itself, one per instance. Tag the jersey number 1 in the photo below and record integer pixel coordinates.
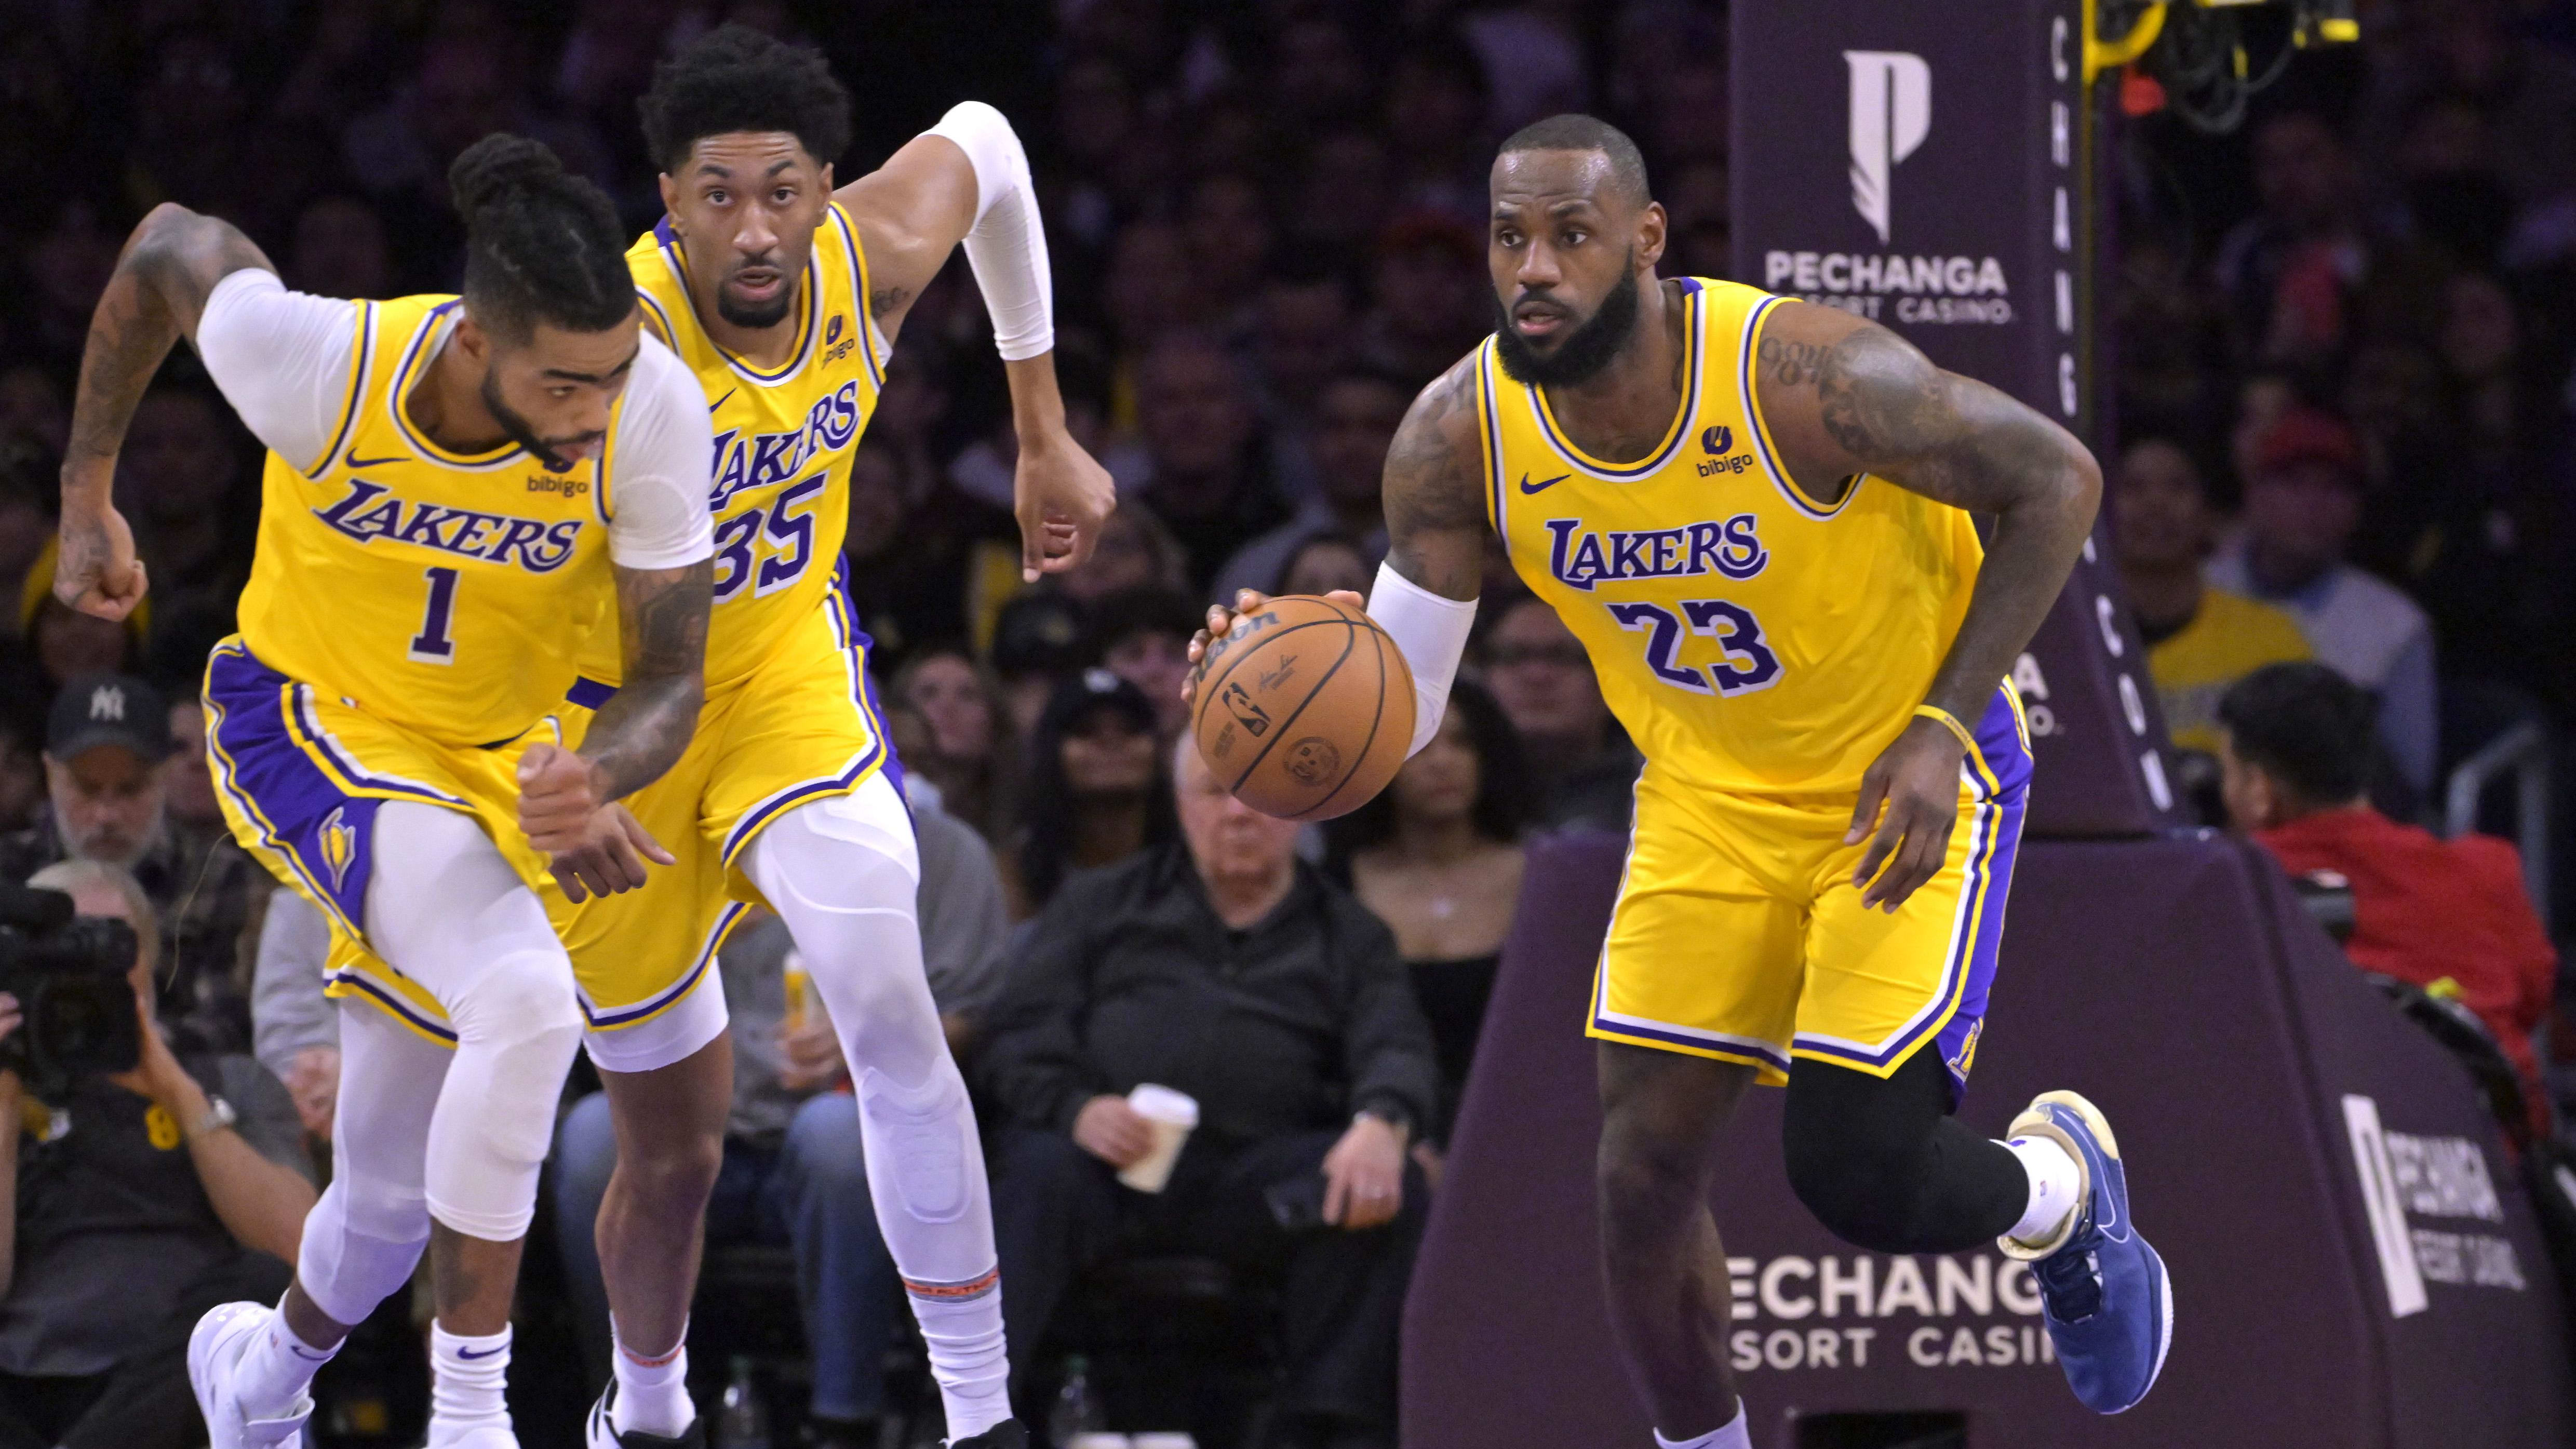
(434, 644)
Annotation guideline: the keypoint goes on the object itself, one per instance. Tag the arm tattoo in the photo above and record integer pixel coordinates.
(1434, 491)
(157, 292)
(1790, 363)
(886, 299)
(1933, 432)
(662, 616)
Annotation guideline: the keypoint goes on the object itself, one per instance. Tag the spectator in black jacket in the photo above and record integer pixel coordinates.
(1226, 969)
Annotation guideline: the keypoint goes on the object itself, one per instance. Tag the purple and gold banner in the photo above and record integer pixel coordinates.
(1925, 166)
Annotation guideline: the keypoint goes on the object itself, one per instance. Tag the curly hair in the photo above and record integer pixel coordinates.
(541, 244)
(734, 78)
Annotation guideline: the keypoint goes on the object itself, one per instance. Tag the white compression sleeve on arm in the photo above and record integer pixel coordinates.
(1432, 633)
(1007, 247)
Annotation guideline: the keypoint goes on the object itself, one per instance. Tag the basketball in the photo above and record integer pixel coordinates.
(1304, 709)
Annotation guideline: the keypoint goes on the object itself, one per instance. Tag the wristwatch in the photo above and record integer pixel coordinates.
(219, 1115)
(1393, 1116)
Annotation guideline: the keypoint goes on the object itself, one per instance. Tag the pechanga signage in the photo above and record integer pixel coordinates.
(1922, 165)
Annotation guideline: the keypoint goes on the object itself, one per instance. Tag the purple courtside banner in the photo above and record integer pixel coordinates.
(1926, 165)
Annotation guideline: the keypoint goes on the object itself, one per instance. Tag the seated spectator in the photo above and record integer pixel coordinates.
(1208, 481)
(2296, 761)
(1136, 552)
(794, 1171)
(67, 642)
(1583, 770)
(2302, 502)
(2200, 639)
(295, 1029)
(1096, 792)
(1224, 968)
(1144, 638)
(1438, 856)
(142, 1199)
(1324, 563)
(107, 781)
(1040, 640)
(22, 772)
(1355, 420)
(970, 757)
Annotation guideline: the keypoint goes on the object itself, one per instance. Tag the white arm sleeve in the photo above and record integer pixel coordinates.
(282, 360)
(1431, 632)
(660, 466)
(1007, 248)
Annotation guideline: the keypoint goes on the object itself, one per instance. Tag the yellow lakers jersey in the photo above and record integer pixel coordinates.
(447, 593)
(780, 494)
(1749, 637)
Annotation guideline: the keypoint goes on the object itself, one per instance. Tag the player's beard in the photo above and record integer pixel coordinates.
(523, 432)
(769, 314)
(1583, 352)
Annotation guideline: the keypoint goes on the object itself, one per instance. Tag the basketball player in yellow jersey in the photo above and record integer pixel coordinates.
(457, 491)
(1755, 514)
(783, 293)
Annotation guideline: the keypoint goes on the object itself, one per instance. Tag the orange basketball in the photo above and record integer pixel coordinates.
(1304, 709)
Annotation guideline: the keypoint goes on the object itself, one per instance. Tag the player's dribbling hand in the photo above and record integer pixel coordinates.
(1112, 1131)
(1917, 779)
(1061, 495)
(1220, 620)
(595, 847)
(95, 570)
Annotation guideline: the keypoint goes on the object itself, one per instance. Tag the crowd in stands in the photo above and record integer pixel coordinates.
(2347, 435)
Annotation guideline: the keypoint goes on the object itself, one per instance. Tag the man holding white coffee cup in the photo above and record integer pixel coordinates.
(1210, 1049)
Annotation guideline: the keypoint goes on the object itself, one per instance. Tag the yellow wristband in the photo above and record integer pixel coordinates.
(1949, 722)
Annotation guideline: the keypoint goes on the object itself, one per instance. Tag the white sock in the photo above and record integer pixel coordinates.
(652, 1393)
(1737, 1434)
(275, 1370)
(466, 1378)
(962, 1330)
(2056, 1184)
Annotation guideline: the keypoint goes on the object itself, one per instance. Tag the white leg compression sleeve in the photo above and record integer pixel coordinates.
(845, 875)
(447, 911)
(363, 1238)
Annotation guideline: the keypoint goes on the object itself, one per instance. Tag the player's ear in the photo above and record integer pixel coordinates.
(471, 337)
(1653, 228)
(670, 197)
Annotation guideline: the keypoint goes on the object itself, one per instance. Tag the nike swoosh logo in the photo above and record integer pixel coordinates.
(373, 462)
(1540, 487)
(487, 1353)
(720, 402)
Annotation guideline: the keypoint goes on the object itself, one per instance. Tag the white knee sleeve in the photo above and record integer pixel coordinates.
(363, 1238)
(447, 911)
(844, 875)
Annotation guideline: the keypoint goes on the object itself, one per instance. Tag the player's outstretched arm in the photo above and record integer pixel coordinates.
(158, 291)
(566, 798)
(1844, 396)
(1425, 595)
(966, 181)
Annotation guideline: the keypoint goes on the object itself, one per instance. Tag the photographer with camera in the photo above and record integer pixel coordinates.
(126, 783)
(145, 1186)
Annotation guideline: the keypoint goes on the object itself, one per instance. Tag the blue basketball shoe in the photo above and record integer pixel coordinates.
(2104, 1293)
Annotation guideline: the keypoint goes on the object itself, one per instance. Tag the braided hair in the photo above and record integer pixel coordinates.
(734, 78)
(541, 244)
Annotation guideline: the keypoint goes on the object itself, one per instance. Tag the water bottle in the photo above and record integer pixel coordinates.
(1078, 1422)
(744, 1424)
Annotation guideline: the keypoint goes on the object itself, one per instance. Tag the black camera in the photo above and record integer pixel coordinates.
(69, 976)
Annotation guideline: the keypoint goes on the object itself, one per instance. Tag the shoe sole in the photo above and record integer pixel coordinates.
(2075, 1102)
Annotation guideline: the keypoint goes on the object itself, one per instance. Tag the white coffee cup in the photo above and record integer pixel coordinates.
(1172, 1115)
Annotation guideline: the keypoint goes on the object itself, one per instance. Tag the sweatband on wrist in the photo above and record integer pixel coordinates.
(1431, 633)
(1007, 246)
(1949, 722)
